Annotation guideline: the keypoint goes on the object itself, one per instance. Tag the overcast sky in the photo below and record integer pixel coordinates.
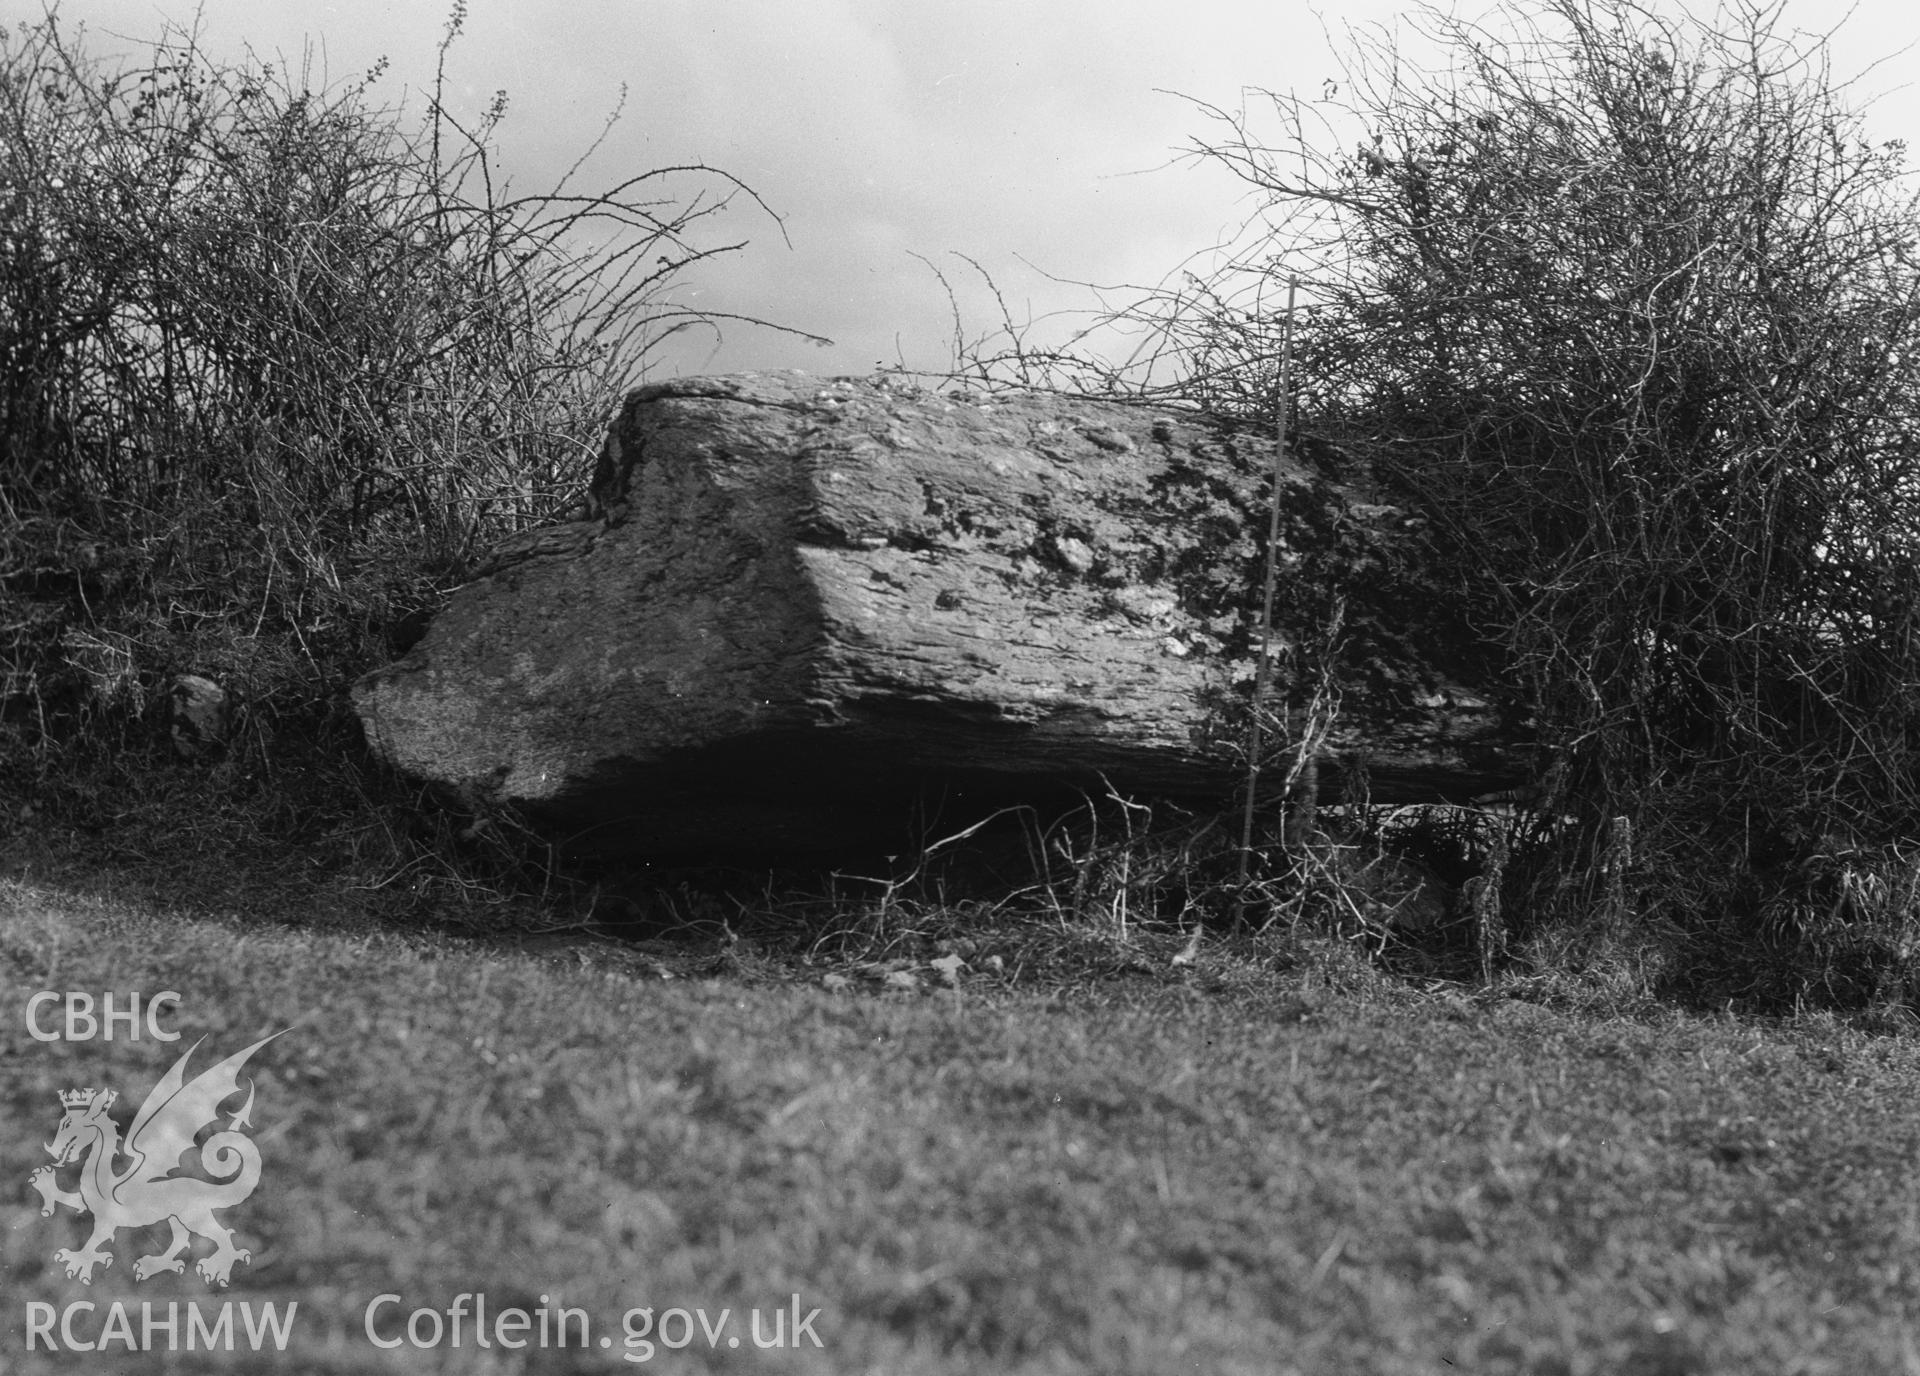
(1032, 135)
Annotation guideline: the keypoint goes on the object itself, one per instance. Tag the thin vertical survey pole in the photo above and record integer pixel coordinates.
(1263, 669)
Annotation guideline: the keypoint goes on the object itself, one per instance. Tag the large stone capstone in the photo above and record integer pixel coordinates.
(808, 615)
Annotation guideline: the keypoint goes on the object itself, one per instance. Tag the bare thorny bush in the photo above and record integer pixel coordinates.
(1629, 301)
(273, 367)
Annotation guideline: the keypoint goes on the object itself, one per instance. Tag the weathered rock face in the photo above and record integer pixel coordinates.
(199, 714)
(800, 609)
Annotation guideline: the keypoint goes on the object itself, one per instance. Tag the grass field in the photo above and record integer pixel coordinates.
(965, 1161)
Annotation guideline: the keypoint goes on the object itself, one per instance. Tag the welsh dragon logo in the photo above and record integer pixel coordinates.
(146, 1190)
